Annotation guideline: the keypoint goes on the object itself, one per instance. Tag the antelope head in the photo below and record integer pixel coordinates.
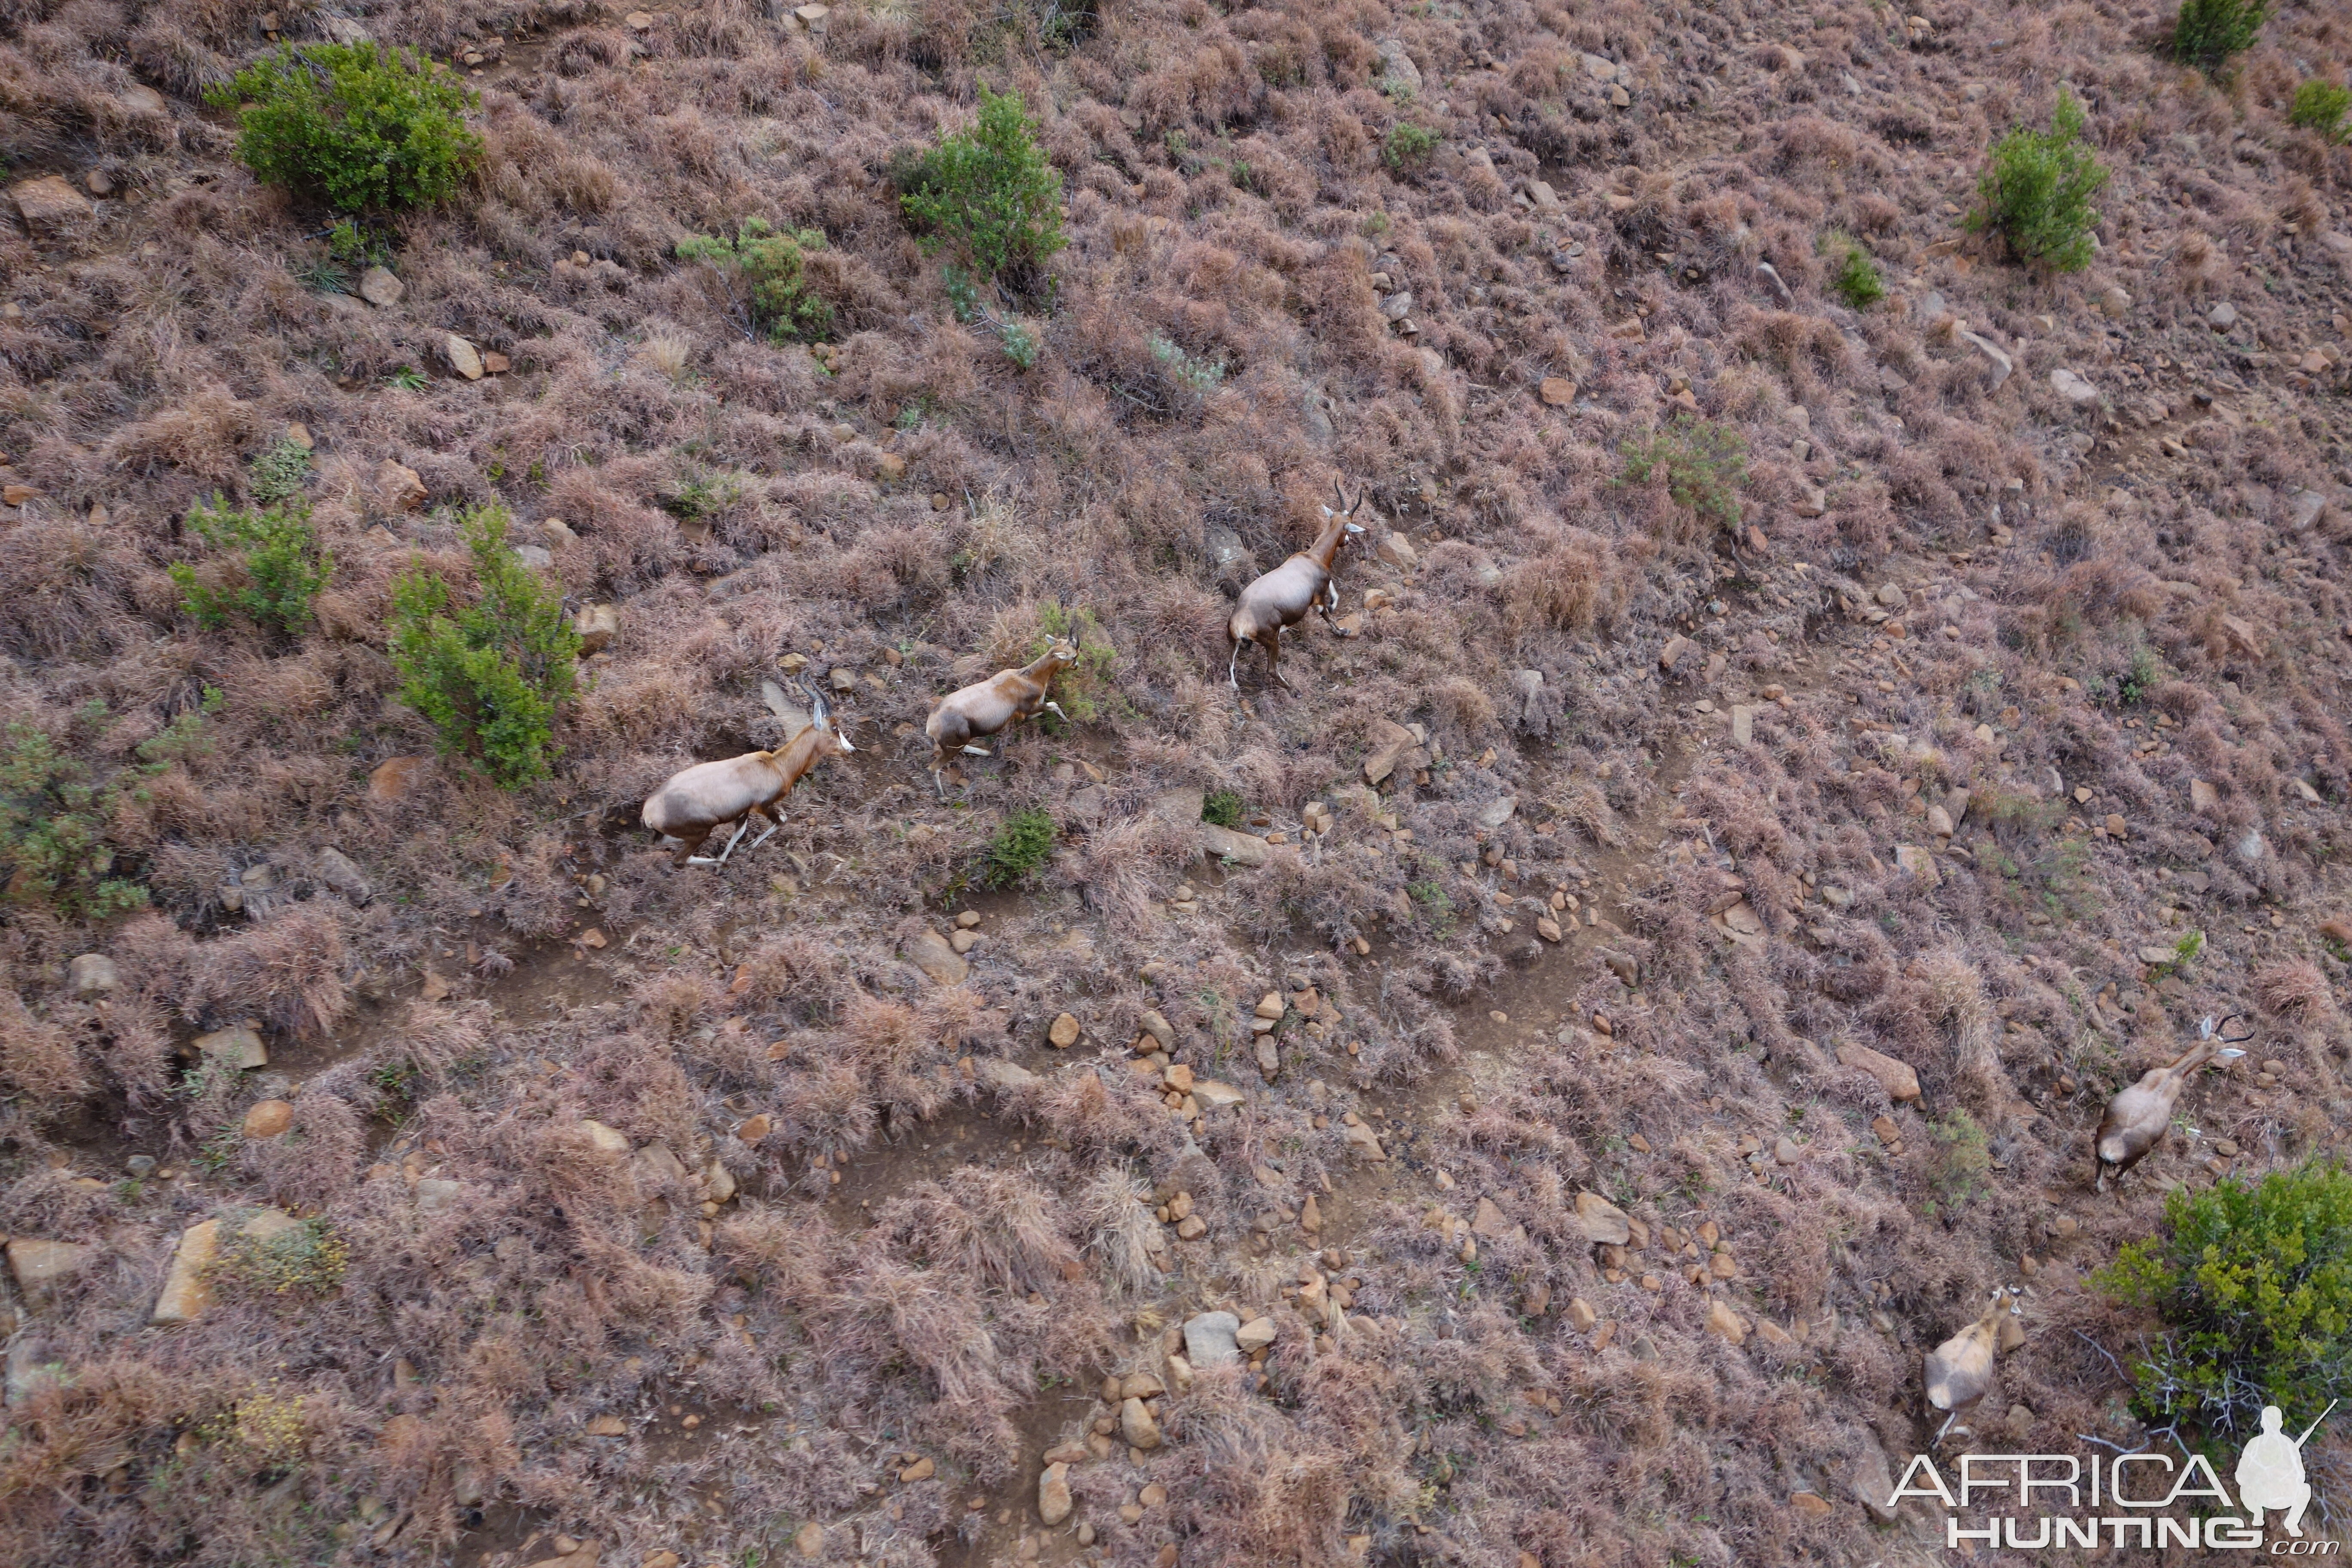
(1346, 515)
(821, 718)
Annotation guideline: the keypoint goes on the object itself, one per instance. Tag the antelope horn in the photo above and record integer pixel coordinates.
(1337, 494)
(2236, 1018)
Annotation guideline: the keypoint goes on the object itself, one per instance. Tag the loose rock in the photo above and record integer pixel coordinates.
(268, 1119)
(1136, 1424)
(379, 288)
(1211, 1340)
(1054, 1491)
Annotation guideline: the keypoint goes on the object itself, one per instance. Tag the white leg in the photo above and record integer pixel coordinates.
(975, 751)
(757, 842)
(740, 828)
(939, 780)
(1056, 707)
(1232, 665)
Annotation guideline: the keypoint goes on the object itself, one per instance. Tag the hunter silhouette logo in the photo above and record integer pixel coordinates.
(2062, 1500)
(2269, 1472)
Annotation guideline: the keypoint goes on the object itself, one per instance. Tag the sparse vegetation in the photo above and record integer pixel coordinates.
(489, 675)
(2253, 1287)
(306, 1258)
(987, 193)
(1018, 849)
(2036, 191)
(1962, 1160)
(2207, 34)
(767, 270)
(279, 565)
(362, 127)
(1852, 273)
(1409, 147)
(54, 831)
(1222, 806)
(2321, 105)
(1702, 463)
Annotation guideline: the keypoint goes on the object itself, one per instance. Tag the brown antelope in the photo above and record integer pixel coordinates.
(990, 705)
(1960, 1370)
(708, 795)
(2138, 1118)
(1283, 596)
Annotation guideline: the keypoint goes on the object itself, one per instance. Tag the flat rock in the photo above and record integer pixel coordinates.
(2073, 387)
(1488, 1221)
(1211, 1339)
(1002, 1076)
(379, 288)
(49, 204)
(1211, 1095)
(1496, 813)
(1897, 1078)
(395, 777)
(929, 951)
(1364, 1141)
(2202, 795)
(1255, 1335)
(92, 975)
(436, 1194)
(1239, 849)
(236, 1048)
(1605, 1225)
(1390, 742)
(1724, 1324)
(398, 486)
(2002, 367)
(1136, 1423)
(1917, 863)
(337, 870)
(1053, 1493)
(42, 1268)
(185, 1293)
(268, 1119)
(1181, 806)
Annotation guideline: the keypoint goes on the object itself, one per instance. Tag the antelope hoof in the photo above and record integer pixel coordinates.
(939, 779)
(1056, 708)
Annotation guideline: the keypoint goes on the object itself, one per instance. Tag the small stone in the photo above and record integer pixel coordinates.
(1580, 1315)
(48, 203)
(1191, 1228)
(963, 942)
(597, 625)
(639, 21)
(1255, 1335)
(2222, 317)
(185, 1293)
(464, 358)
(1054, 1493)
(1604, 1223)
(1899, 1082)
(1211, 1339)
(399, 488)
(1310, 1216)
(268, 1119)
(237, 1048)
(1064, 1032)
(809, 1540)
(395, 777)
(1722, 1321)
(337, 870)
(435, 1194)
(1785, 1152)
(1557, 391)
(1813, 1505)
(1671, 654)
(929, 951)
(971, 918)
(42, 1268)
(92, 975)
(1135, 1421)
(2073, 388)
(2202, 795)
(379, 288)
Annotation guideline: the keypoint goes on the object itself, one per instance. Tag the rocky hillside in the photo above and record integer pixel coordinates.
(1799, 752)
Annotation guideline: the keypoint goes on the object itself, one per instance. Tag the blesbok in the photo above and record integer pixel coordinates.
(1282, 597)
(1960, 1370)
(988, 706)
(2138, 1117)
(708, 795)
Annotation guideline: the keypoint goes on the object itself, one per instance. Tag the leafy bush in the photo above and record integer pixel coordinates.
(1408, 146)
(278, 475)
(1962, 1162)
(2254, 1288)
(2208, 32)
(1017, 849)
(1854, 275)
(2321, 105)
(1084, 686)
(306, 1258)
(53, 827)
(360, 126)
(989, 192)
(1222, 806)
(1702, 462)
(769, 267)
(1189, 371)
(2036, 191)
(284, 565)
(1021, 343)
(491, 675)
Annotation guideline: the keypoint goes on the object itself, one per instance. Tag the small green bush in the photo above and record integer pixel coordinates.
(2208, 32)
(284, 565)
(1408, 146)
(1222, 807)
(306, 1258)
(1962, 1162)
(2254, 1288)
(362, 127)
(989, 192)
(278, 475)
(1702, 462)
(1017, 849)
(768, 269)
(1021, 344)
(2036, 191)
(489, 676)
(53, 831)
(1189, 371)
(2321, 105)
(1854, 275)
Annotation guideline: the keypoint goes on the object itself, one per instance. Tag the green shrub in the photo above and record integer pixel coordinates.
(1223, 807)
(1189, 371)
(1962, 1162)
(2254, 1288)
(1017, 849)
(1021, 343)
(768, 269)
(2208, 32)
(1086, 686)
(1854, 275)
(362, 127)
(53, 831)
(989, 192)
(1702, 462)
(278, 475)
(2321, 105)
(284, 565)
(306, 1258)
(1408, 146)
(489, 676)
(2036, 191)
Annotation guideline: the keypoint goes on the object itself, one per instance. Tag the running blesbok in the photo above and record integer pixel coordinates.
(1283, 596)
(1960, 1370)
(708, 795)
(987, 707)
(2138, 1118)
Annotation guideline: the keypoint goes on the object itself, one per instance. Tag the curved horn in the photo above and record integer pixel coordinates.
(820, 710)
(2235, 1018)
(1360, 501)
(1337, 494)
